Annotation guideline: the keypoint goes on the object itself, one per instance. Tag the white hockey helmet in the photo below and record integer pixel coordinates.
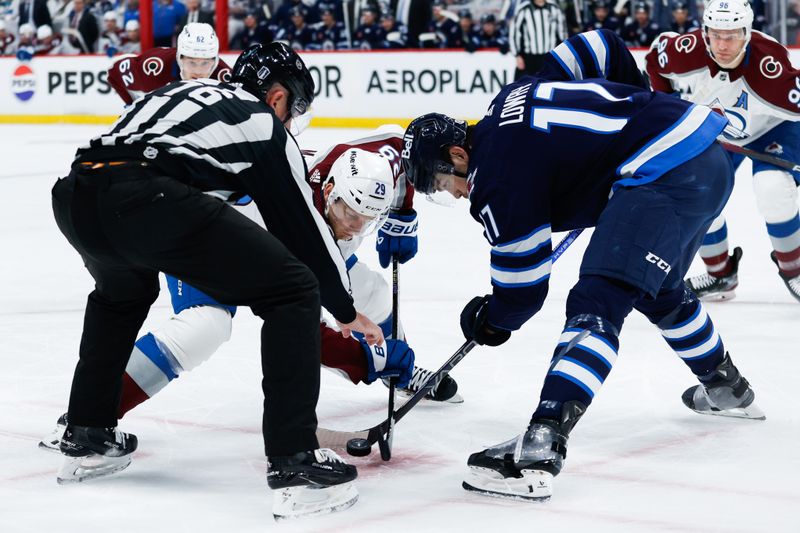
(198, 40)
(132, 25)
(364, 182)
(28, 30)
(728, 15)
(43, 32)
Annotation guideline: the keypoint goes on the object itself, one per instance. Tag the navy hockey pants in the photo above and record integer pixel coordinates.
(128, 224)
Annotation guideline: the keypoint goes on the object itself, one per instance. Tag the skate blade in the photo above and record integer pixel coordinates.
(312, 500)
(719, 296)
(534, 485)
(751, 412)
(79, 469)
(403, 393)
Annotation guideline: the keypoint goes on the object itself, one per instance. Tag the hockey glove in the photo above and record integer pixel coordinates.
(397, 236)
(393, 358)
(475, 327)
(24, 54)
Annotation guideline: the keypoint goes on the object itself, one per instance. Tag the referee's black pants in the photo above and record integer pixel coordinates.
(130, 223)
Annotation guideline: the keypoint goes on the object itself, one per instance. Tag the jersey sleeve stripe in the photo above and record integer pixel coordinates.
(687, 138)
(525, 245)
(598, 49)
(566, 57)
(521, 277)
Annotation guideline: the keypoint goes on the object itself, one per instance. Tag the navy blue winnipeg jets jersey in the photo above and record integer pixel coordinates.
(550, 152)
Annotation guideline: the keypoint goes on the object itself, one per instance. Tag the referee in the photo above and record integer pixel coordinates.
(538, 26)
(135, 204)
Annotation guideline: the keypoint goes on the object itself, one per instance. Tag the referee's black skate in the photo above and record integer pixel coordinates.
(717, 288)
(92, 452)
(310, 483)
(725, 392)
(523, 468)
(52, 442)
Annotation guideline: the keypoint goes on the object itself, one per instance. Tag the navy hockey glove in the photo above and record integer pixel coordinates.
(394, 358)
(475, 327)
(24, 54)
(398, 235)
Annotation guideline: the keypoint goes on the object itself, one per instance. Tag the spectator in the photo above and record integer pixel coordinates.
(131, 12)
(328, 34)
(662, 11)
(369, 34)
(7, 41)
(47, 42)
(793, 22)
(34, 12)
(26, 46)
(195, 14)
(298, 35)
(283, 16)
(443, 31)
(166, 16)
(82, 29)
(396, 33)
(491, 36)
(642, 31)
(112, 35)
(414, 15)
(468, 35)
(537, 28)
(254, 31)
(59, 11)
(602, 19)
(681, 21)
(131, 44)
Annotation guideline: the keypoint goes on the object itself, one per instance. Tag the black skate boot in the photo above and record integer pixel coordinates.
(94, 452)
(724, 392)
(712, 288)
(524, 467)
(52, 441)
(446, 391)
(792, 283)
(310, 483)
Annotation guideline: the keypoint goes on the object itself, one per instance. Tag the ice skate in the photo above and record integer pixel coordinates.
(310, 483)
(712, 288)
(446, 391)
(792, 283)
(52, 441)
(94, 452)
(726, 393)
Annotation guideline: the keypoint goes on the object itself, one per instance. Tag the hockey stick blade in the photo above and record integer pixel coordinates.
(334, 438)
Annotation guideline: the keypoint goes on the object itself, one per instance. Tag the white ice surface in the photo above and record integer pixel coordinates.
(638, 461)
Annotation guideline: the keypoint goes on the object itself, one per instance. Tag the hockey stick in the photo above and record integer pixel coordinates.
(385, 441)
(761, 156)
(331, 438)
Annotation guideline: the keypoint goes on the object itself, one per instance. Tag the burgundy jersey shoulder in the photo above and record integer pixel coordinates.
(222, 72)
(673, 53)
(386, 144)
(770, 75)
(150, 70)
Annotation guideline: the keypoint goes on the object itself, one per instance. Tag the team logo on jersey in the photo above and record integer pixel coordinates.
(152, 66)
(685, 43)
(770, 68)
(23, 83)
(774, 148)
(224, 75)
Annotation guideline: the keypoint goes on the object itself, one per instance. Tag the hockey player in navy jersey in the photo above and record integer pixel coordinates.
(584, 144)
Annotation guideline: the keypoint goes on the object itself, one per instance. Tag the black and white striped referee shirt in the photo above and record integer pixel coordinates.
(535, 30)
(221, 139)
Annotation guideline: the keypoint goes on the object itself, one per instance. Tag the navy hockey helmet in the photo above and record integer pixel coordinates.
(426, 141)
(261, 66)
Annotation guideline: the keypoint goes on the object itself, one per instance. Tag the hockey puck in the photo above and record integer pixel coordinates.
(359, 447)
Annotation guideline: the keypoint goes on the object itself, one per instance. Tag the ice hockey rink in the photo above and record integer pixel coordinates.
(638, 461)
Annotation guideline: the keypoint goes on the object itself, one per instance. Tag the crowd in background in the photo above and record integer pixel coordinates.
(40, 27)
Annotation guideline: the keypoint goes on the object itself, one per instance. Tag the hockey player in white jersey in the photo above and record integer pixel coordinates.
(750, 75)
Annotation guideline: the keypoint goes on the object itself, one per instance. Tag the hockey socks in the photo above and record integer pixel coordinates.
(149, 370)
(714, 251)
(690, 332)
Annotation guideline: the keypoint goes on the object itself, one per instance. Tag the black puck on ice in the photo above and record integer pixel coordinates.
(359, 447)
